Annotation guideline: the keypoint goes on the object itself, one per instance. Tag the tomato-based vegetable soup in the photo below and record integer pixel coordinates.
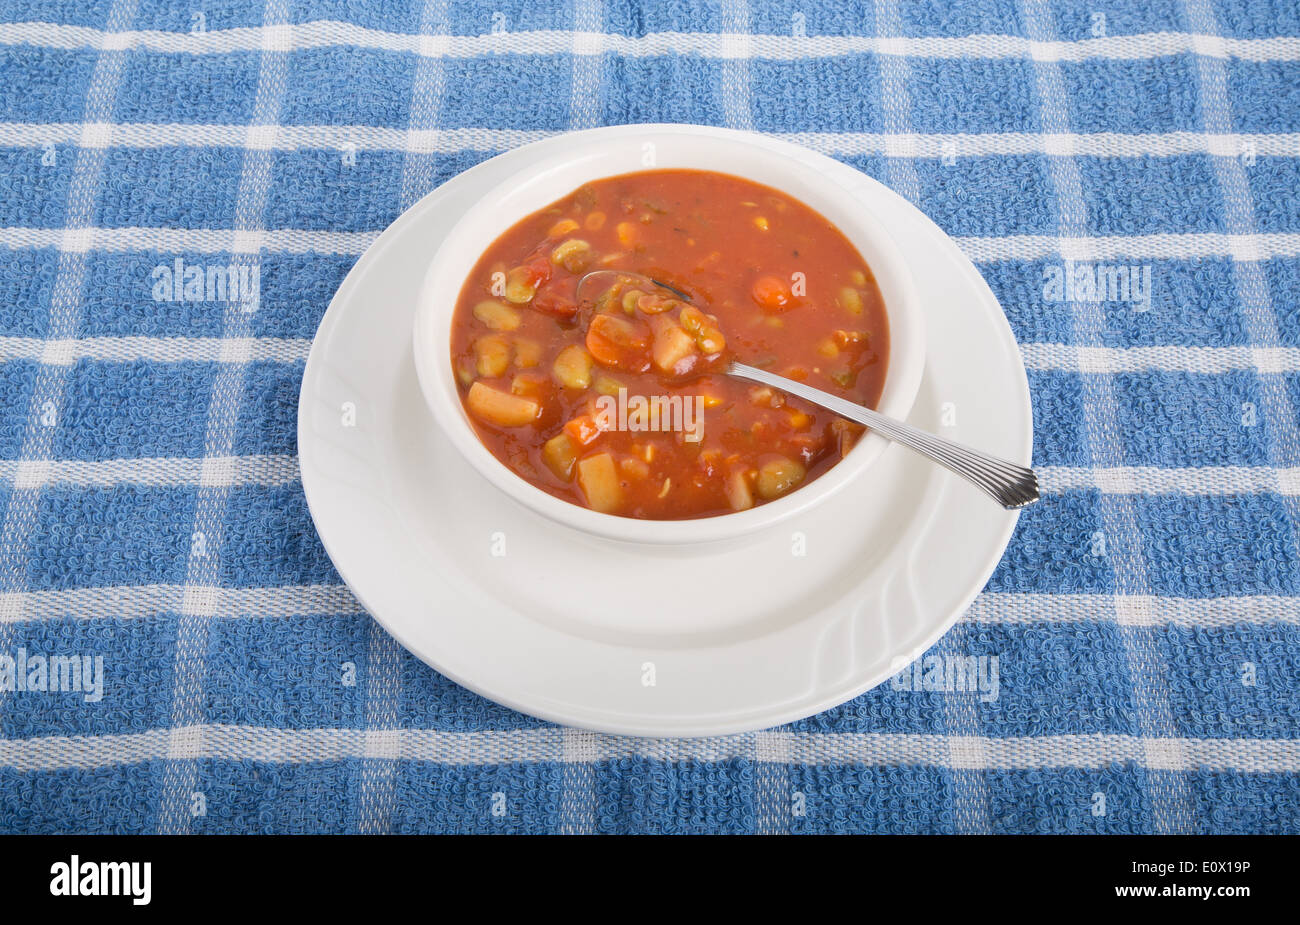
(614, 401)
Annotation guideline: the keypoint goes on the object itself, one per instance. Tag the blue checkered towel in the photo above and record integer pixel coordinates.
(1124, 174)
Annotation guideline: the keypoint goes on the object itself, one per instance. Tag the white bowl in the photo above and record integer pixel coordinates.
(662, 147)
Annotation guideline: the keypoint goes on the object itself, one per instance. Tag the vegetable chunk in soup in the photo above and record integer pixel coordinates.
(616, 403)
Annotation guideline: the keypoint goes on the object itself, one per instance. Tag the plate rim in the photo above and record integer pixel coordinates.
(824, 698)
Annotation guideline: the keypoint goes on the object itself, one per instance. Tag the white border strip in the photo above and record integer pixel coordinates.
(293, 137)
(279, 470)
(902, 144)
(64, 352)
(126, 602)
(1039, 356)
(1151, 480)
(713, 45)
(1014, 609)
(1109, 360)
(1241, 247)
(301, 746)
(206, 472)
(189, 240)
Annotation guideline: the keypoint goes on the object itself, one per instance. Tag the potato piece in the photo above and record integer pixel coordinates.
(672, 347)
(608, 385)
(595, 221)
(497, 315)
(778, 476)
(493, 355)
(851, 299)
(857, 278)
(562, 227)
(560, 454)
(574, 255)
(572, 367)
(598, 479)
(627, 233)
(736, 488)
(500, 408)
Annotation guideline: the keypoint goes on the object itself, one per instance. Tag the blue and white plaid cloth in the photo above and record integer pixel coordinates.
(1146, 617)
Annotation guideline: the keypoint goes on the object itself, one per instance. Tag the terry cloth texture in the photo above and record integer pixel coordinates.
(1145, 619)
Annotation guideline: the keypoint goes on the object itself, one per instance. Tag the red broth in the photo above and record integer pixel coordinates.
(615, 404)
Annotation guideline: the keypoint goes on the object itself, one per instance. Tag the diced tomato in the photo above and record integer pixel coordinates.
(550, 302)
(539, 269)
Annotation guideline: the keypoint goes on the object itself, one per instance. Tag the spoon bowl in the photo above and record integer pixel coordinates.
(1010, 484)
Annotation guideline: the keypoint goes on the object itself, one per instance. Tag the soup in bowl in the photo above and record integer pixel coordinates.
(573, 348)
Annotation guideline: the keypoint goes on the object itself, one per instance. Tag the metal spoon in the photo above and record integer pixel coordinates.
(1011, 485)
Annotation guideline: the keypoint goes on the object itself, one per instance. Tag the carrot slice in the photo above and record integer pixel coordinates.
(772, 294)
(582, 430)
(618, 342)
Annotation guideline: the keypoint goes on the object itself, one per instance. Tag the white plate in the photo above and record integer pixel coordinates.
(640, 640)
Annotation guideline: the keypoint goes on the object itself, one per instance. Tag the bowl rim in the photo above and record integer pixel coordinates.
(543, 182)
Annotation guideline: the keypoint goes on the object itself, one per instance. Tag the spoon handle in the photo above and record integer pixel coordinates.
(1013, 486)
